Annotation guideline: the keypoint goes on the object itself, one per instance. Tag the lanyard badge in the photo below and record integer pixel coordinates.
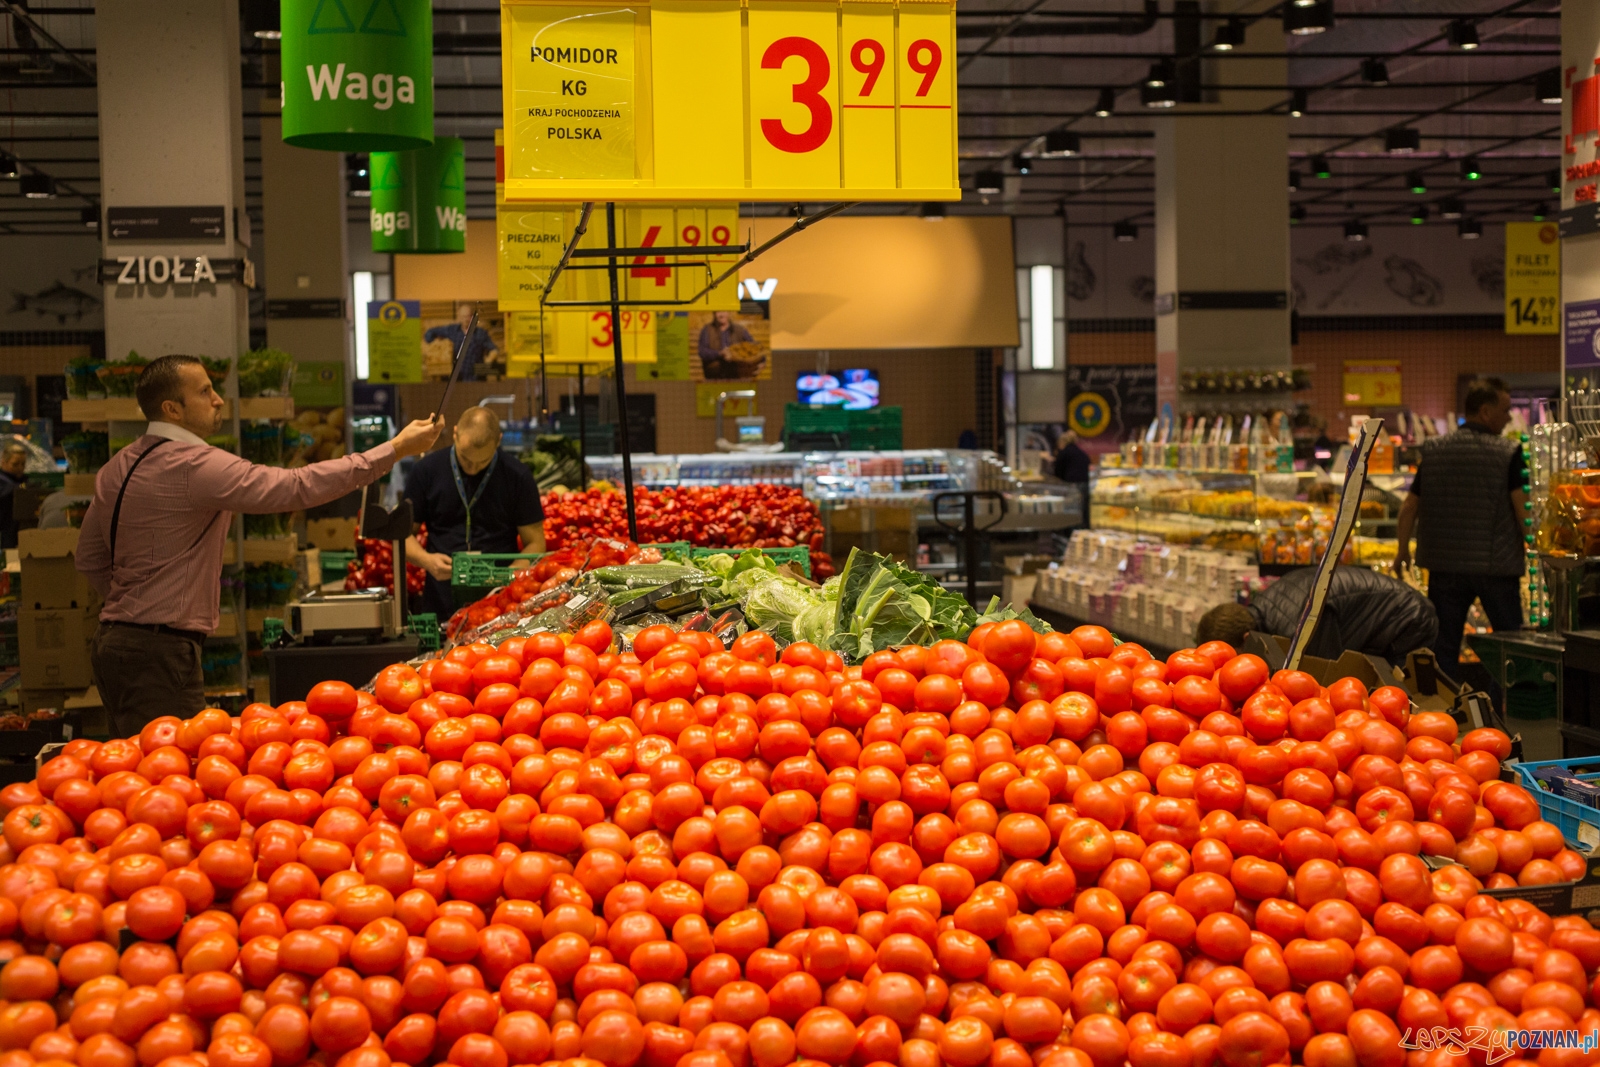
(461, 487)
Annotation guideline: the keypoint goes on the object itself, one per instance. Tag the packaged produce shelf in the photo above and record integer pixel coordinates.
(126, 409)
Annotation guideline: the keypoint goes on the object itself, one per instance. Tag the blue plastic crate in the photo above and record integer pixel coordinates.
(1579, 822)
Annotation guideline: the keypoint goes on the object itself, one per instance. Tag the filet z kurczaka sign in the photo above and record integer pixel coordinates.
(682, 100)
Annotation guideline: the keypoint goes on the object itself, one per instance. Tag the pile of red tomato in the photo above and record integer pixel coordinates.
(1018, 851)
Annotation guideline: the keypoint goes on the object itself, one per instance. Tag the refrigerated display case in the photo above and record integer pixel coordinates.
(1280, 519)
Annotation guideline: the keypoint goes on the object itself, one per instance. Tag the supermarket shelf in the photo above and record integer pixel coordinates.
(126, 409)
(228, 621)
(267, 407)
(270, 549)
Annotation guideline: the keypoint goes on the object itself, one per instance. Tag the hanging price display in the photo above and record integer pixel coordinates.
(1533, 277)
(576, 335)
(533, 236)
(723, 100)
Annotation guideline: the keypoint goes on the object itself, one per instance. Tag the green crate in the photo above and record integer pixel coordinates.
(875, 419)
(425, 626)
(798, 555)
(472, 574)
(800, 418)
(880, 439)
(335, 564)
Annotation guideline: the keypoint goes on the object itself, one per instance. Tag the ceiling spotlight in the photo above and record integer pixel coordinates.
(1374, 71)
(1469, 229)
(1451, 208)
(1552, 178)
(1303, 19)
(1355, 231)
(90, 217)
(357, 177)
(1416, 182)
(1022, 163)
(1106, 104)
(1157, 89)
(1125, 231)
(1462, 34)
(1320, 167)
(1298, 101)
(1402, 140)
(933, 209)
(1470, 170)
(1547, 86)
(1297, 214)
(38, 186)
(1060, 144)
(1294, 181)
(269, 35)
(8, 165)
(1230, 35)
(990, 182)
(1419, 215)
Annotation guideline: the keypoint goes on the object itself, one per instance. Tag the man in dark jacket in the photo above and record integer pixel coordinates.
(1469, 520)
(1071, 465)
(1365, 611)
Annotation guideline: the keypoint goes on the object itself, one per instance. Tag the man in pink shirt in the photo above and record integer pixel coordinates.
(153, 536)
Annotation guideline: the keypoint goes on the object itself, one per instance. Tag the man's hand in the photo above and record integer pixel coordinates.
(1402, 559)
(417, 437)
(437, 564)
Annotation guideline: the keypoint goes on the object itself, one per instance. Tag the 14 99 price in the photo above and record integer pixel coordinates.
(1531, 311)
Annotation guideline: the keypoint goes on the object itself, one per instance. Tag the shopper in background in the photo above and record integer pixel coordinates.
(1071, 465)
(478, 346)
(1364, 611)
(472, 498)
(13, 464)
(1468, 497)
(152, 538)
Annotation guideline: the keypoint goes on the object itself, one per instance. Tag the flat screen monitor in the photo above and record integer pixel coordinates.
(853, 390)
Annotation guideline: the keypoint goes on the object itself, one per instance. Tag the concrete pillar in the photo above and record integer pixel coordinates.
(303, 202)
(1580, 211)
(171, 135)
(1222, 225)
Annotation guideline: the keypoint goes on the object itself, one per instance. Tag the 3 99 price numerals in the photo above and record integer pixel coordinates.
(868, 57)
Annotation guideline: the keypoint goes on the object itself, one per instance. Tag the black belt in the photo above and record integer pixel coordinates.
(161, 628)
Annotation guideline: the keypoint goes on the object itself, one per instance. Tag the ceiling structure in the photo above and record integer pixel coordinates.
(1028, 68)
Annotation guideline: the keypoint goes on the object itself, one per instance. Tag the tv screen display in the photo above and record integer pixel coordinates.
(853, 390)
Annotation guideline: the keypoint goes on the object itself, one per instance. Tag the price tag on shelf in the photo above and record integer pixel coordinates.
(722, 100)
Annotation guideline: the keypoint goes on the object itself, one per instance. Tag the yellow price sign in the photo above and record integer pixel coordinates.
(667, 100)
(577, 335)
(1371, 382)
(532, 238)
(1533, 277)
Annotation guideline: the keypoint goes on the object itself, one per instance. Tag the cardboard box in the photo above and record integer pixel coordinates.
(53, 646)
(49, 569)
(331, 535)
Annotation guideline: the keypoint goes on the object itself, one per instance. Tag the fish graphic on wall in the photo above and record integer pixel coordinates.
(60, 300)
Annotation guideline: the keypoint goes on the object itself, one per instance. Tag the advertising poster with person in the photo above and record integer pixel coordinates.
(727, 346)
